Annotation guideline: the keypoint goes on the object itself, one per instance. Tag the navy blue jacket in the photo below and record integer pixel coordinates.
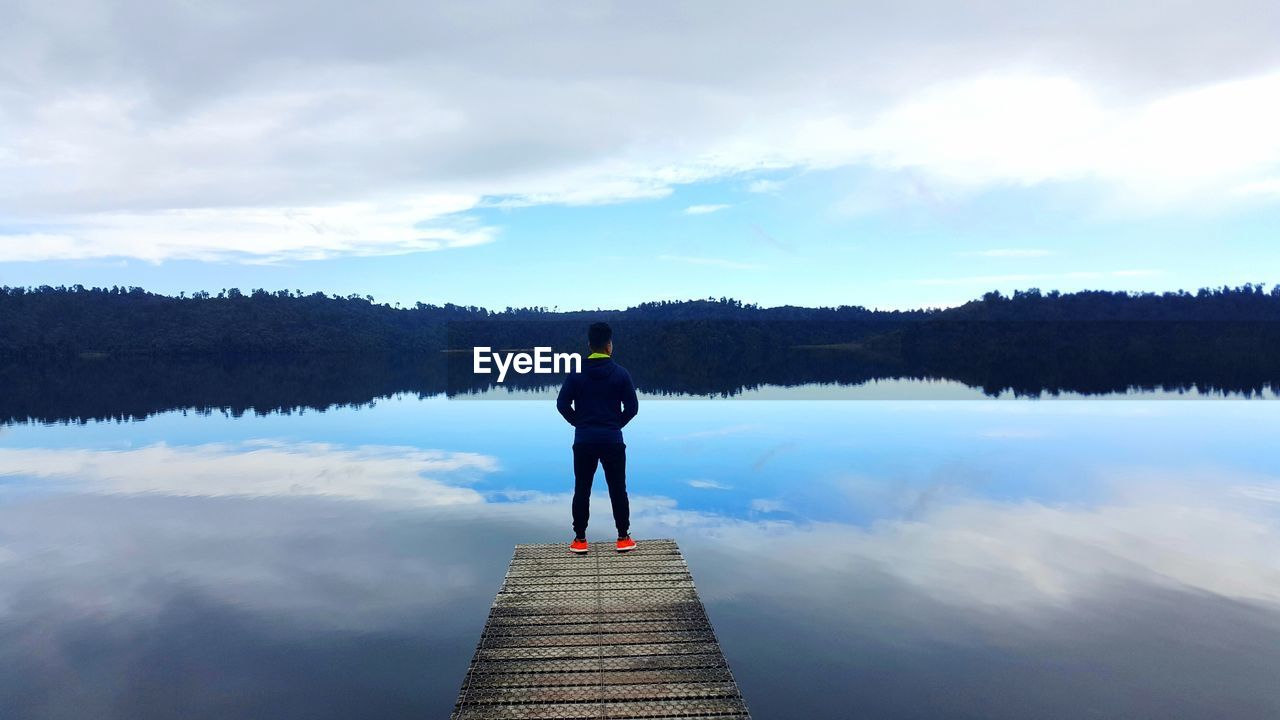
(598, 402)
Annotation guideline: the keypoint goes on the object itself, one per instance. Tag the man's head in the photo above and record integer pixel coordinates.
(600, 338)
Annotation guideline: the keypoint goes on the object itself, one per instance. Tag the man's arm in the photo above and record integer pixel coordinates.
(564, 402)
(630, 404)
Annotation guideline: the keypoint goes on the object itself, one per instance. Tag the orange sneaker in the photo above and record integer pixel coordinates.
(579, 545)
(626, 543)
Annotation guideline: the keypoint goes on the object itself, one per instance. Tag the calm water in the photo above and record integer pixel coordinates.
(969, 558)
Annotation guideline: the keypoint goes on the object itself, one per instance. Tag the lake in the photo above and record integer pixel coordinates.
(898, 549)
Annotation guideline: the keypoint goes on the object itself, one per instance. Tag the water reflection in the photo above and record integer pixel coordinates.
(133, 388)
(942, 562)
(165, 607)
(253, 468)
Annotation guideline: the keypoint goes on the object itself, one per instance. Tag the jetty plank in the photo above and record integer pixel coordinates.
(601, 635)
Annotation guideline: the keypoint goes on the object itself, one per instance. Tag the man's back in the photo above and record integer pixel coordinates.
(599, 401)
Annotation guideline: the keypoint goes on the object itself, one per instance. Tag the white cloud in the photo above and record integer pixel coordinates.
(291, 107)
(1207, 529)
(703, 209)
(766, 505)
(1194, 144)
(715, 262)
(708, 485)
(1024, 556)
(764, 186)
(402, 475)
(1268, 187)
(1040, 277)
(255, 234)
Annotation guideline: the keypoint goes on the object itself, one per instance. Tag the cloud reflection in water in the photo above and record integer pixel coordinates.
(273, 579)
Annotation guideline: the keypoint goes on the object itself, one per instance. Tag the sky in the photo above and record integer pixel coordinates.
(581, 155)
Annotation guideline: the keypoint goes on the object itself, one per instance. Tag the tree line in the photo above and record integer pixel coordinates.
(126, 321)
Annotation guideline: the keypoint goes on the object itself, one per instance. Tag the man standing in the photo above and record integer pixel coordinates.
(598, 403)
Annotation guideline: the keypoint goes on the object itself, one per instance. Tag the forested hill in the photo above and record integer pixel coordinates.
(66, 321)
(118, 321)
(1245, 303)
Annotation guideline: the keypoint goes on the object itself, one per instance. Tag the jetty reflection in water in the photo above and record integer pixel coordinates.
(884, 558)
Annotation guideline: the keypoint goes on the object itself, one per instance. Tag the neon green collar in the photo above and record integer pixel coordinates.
(593, 356)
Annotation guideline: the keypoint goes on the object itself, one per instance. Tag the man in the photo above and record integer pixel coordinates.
(598, 403)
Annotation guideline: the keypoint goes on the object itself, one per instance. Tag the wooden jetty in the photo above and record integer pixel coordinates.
(601, 635)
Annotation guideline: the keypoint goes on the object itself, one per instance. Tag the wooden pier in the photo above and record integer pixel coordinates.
(601, 635)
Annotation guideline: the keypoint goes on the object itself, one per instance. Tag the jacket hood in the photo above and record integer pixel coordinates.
(599, 368)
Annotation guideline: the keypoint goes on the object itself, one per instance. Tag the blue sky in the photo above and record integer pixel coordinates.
(794, 244)
(840, 154)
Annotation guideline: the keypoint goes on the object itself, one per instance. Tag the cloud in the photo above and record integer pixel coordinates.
(764, 186)
(1174, 530)
(1027, 129)
(1009, 253)
(402, 475)
(882, 190)
(1024, 556)
(1268, 187)
(1040, 277)
(288, 106)
(708, 485)
(961, 594)
(715, 262)
(256, 235)
(703, 209)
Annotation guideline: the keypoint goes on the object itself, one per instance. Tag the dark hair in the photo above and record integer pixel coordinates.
(599, 335)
